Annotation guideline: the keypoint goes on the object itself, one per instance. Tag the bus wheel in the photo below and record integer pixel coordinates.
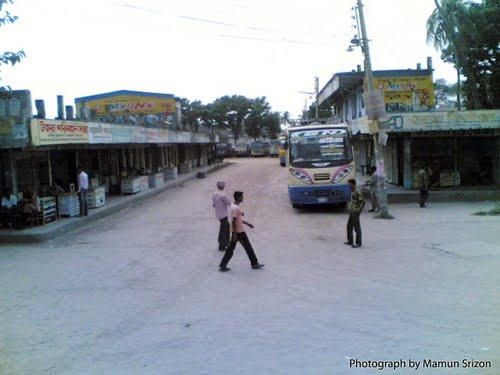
(296, 205)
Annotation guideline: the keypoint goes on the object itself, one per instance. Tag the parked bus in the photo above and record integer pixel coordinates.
(282, 152)
(274, 148)
(242, 149)
(320, 162)
(257, 149)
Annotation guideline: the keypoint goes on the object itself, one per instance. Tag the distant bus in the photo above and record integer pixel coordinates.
(274, 149)
(242, 149)
(267, 147)
(257, 149)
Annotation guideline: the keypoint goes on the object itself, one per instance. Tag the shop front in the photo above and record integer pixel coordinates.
(461, 149)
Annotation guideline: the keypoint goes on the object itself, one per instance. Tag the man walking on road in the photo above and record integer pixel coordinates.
(356, 206)
(423, 184)
(83, 187)
(239, 235)
(221, 203)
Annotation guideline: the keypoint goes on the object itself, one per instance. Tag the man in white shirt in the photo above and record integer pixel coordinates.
(9, 201)
(221, 203)
(8, 208)
(83, 187)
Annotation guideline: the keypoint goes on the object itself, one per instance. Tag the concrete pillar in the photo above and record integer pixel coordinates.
(40, 108)
(362, 155)
(142, 155)
(70, 113)
(162, 156)
(50, 167)
(496, 163)
(130, 161)
(13, 172)
(60, 107)
(99, 161)
(394, 157)
(408, 175)
(124, 159)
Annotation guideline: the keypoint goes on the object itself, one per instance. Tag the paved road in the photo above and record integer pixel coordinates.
(139, 292)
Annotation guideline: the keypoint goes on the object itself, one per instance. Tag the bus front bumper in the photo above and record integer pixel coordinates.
(319, 194)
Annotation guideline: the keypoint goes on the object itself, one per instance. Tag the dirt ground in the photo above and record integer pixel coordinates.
(140, 292)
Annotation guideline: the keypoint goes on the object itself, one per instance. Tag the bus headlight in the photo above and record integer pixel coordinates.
(301, 176)
(342, 173)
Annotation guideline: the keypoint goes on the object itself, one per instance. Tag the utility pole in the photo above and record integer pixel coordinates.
(316, 90)
(379, 149)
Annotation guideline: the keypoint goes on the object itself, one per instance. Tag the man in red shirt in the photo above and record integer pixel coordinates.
(239, 235)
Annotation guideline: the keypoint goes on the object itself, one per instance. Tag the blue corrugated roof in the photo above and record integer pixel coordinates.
(123, 92)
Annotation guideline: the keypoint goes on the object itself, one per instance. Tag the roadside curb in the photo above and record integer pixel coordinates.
(18, 237)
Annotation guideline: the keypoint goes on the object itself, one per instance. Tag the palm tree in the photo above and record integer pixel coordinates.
(443, 30)
(285, 118)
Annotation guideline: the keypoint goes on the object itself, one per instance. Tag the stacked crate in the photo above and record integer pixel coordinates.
(68, 204)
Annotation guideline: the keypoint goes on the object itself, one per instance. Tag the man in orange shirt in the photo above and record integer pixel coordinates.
(239, 235)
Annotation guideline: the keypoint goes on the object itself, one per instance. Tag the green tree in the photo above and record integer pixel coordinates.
(445, 29)
(481, 59)
(271, 124)
(445, 94)
(285, 119)
(230, 112)
(8, 57)
(192, 114)
(254, 123)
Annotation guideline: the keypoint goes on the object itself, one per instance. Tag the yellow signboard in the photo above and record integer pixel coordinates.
(414, 92)
(130, 104)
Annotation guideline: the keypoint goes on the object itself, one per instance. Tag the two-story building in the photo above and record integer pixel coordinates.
(460, 148)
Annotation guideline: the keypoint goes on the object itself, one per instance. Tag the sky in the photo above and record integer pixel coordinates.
(202, 50)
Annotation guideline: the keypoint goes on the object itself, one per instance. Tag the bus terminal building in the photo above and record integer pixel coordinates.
(121, 139)
(461, 148)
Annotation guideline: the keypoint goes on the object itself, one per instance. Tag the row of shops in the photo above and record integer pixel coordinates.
(42, 155)
(460, 148)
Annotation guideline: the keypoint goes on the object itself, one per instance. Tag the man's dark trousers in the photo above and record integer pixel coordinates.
(84, 208)
(243, 239)
(224, 234)
(355, 224)
(424, 194)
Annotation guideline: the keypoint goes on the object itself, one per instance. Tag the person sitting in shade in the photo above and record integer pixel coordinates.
(8, 207)
(31, 202)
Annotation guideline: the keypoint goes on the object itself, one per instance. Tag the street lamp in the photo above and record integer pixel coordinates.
(316, 94)
(379, 150)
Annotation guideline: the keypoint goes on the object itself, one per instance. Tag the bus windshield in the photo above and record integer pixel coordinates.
(319, 148)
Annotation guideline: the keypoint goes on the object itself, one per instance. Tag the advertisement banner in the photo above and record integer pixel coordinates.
(130, 104)
(157, 135)
(14, 132)
(100, 133)
(52, 132)
(138, 135)
(121, 133)
(415, 93)
(375, 106)
(452, 120)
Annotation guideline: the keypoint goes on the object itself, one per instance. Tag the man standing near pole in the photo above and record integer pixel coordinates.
(83, 187)
(356, 206)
